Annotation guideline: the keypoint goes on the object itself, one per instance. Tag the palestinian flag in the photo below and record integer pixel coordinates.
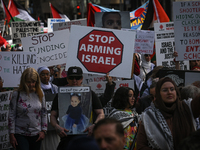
(8, 16)
(155, 13)
(91, 9)
(18, 12)
(56, 13)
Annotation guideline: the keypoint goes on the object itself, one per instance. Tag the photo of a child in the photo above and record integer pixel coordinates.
(74, 120)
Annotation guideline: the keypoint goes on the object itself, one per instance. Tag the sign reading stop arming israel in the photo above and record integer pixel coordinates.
(99, 50)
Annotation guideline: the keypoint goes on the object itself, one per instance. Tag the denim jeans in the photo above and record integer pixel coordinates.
(27, 142)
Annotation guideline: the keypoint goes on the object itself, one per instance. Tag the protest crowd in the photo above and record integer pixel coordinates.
(101, 83)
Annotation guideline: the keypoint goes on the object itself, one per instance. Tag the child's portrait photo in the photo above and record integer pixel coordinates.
(75, 111)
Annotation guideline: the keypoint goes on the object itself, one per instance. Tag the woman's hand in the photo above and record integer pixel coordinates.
(13, 140)
(41, 136)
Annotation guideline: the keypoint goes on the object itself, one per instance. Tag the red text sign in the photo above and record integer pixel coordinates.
(100, 51)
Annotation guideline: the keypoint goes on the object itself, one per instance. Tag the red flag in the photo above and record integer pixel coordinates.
(3, 41)
(90, 14)
(159, 13)
(6, 11)
(56, 13)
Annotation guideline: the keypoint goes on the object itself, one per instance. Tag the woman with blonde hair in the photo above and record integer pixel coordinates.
(27, 113)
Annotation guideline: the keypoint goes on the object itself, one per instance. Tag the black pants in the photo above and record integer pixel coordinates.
(27, 142)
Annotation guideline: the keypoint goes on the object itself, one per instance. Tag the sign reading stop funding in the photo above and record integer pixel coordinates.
(99, 50)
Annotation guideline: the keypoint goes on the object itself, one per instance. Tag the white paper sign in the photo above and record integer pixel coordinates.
(51, 21)
(100, 50)
(164, 39)
(4, 109)
(51, 48)
(12, 65)
(186, 28)
(67, 25)
(21, 29)
(144, 42)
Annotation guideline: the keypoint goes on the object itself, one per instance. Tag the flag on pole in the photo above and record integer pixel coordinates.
(155, 13)
(8, 16)
(159, 13)
(141, 18)
(138, 16)
(56, 13)
(18, 12)
(91, 9)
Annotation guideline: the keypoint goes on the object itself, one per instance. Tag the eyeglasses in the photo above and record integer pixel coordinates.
(75, 77)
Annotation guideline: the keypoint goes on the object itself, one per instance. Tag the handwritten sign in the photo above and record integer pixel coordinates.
(51, 48)
(22, 29)
(4, 109)
(187, 26)
(51, 21)
(164, 39)
(12, 65)
(144, 42)
(67, 25)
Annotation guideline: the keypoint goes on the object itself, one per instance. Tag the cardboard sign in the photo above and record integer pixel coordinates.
(23, 29)
(67, 25)
(181, 77)
(99, 51)
(165, 46)
(75, 106)
(51, 21)
(51, 48)
(187, 25)
(12, 65)
(4, 109)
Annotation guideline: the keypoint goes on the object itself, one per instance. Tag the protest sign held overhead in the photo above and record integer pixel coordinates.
(23, 29)
(99, 50)
(67, 25)
(12, 65)
(165, 46)
(51, 48)
(51, 21)
(186, 28)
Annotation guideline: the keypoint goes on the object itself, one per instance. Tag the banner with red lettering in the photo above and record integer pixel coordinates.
(100, 50)
(186, 28)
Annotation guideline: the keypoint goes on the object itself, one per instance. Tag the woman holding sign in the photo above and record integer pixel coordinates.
(27, 113)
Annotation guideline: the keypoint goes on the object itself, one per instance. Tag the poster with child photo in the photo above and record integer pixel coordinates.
(75, 109)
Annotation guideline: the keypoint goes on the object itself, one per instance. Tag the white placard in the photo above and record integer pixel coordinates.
(51, 21)
(4, 109)
(164, 40)
(21, 29)
(186, 28)
(12, 65)
(67, 25)
(51, 48)
(144, 42)
(100, 50)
